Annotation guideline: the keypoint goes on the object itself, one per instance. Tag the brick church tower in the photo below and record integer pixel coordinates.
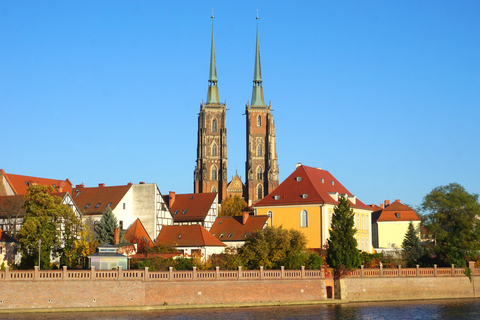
(211, 169)
(261, 167)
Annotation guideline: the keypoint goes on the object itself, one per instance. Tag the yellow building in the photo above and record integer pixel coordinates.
(390, 224)
(305, 201)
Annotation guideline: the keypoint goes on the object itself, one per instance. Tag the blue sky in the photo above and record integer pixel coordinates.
(383, 94)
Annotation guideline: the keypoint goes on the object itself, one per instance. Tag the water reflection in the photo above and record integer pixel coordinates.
(437, 309)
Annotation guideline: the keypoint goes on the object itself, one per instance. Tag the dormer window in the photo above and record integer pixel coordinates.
(322, 180)
(276, 197)
(109, 204)
(230, 235)
(88, 205)
(298, 179)
(180, 236)
(332, 182)
(77, 193)
(221, 221)
(397, 215)
(98, 205)
(221, 235)
(246, 234)
(304, 196)
(184, 211)
(176, 211)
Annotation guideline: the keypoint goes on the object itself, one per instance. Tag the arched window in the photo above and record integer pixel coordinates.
(214, 149)
(214, 189)
(259, 150)
(259, 173)
(259, 121)
(304, 219)
(259, 192)
(214, 173)
(214, 125)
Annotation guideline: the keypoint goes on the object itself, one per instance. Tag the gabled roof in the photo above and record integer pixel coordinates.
(95, 200)
(308, 185)
(5, 237)
(395, 211)
(136, 233)
(236, 185)
(233, 229)
(187, 236)
(19, 183)
(192, 206)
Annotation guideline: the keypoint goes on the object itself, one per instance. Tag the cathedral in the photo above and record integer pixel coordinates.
(261, 165)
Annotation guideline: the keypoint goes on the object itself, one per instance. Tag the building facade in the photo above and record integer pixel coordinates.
(210, 173)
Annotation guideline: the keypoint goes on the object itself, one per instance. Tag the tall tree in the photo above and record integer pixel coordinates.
(412, 247)
(106, 227)
(232, 207)
(342, 253)
(452, 218)
(47, 224)
(274, 247)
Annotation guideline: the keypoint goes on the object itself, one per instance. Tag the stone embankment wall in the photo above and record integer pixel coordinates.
(136, 288)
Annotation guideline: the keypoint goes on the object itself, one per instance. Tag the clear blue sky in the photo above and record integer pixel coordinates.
(383, 94)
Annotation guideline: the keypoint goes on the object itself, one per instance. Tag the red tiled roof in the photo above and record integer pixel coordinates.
(5, 237)
(137, 234)
(233, 228)
(187, 236)
(98, 195)
(20, 183)
(192, 206)
(315, 183)
(154, 255)
(389, 213)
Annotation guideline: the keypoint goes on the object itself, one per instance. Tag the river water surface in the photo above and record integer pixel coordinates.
(434, 309)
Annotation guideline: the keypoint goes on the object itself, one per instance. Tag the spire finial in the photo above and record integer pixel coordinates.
(212, 95)
(257, 94)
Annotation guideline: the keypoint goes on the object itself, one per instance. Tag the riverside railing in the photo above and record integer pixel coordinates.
(219, 275)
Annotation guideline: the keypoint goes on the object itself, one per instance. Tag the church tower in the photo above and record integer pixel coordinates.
(261, 167)
(211, 170)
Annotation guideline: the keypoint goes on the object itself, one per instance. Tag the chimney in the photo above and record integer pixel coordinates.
(116, 236)
(298, 165)
(398, 200)
(381, 205)
(101, 185)
(79, 186)
(141, 182)
(387, 202)
(246, 214)
(171, 198)
(129, 184)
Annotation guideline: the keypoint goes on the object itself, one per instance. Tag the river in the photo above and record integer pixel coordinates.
(433, 309)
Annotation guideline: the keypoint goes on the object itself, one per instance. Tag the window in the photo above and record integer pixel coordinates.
(221, 235)
(214, 149)
(184, 211)
(214, 173)
(259, 192)
(366, 222)
(109, 204)
(363, 244)
(397, 215)
(246, 234)
(259, 173)
(1, 249)
(214, 189)
(77, 193)
(88, 205)
(180, 236)
(176, 211)
(361, 221)
(214, 125)
(120, 224)
(259, 150)
(98, 205)
(358, 221)
(124, 206)
(304, 219)
(269, 214)
(259, 121)
(230, 235)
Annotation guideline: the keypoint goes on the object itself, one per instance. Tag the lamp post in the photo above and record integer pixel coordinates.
(39, 251)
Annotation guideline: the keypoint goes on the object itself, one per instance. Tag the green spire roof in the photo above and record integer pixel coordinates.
(257, 94)
(212, 95)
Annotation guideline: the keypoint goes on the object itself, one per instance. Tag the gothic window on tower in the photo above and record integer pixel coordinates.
(259, 121)
(214, 189)
(259, 150)
(214, 125)
(214, 149)
(259, 173)
(214, 173)
(259, 192)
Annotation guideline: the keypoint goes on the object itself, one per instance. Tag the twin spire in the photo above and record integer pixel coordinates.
(257, 93)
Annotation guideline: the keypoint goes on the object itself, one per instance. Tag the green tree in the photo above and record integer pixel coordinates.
(232, 207)
(452, 218)
(274, 247)
(47, 224)
(342, 253)
(106, 227)
(412, 247)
